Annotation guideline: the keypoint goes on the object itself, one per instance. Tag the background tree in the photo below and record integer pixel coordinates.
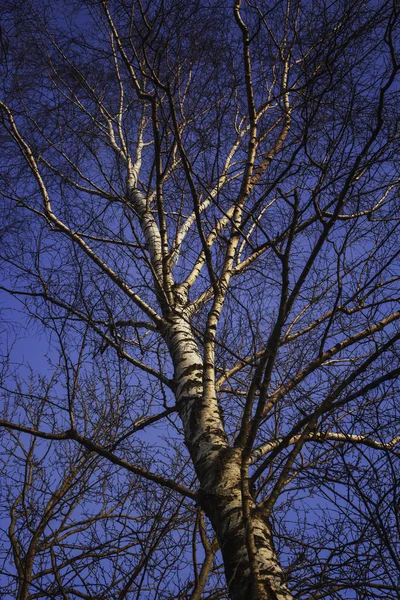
(201, 212)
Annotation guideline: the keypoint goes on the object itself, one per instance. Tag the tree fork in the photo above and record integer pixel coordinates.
(218, 468)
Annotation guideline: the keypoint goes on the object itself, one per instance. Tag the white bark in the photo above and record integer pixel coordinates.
(321, 437)
(223, 502)
(219, 471)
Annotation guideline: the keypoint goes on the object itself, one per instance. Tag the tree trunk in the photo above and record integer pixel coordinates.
(223, 504)
(218, 468)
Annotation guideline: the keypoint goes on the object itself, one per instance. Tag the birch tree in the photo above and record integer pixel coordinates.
(203, 200)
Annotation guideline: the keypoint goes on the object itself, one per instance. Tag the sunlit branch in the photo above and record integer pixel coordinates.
(329, 436)
(59, 225)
